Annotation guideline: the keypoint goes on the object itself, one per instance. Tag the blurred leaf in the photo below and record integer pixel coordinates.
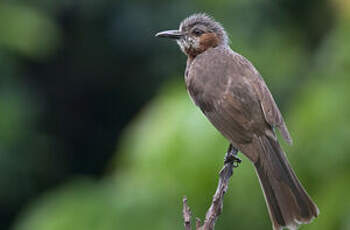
(27, 30)
(77, 205)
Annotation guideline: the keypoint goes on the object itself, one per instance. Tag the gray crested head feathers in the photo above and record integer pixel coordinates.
(208, 22)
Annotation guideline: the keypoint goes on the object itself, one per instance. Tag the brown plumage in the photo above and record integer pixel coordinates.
(235, 99)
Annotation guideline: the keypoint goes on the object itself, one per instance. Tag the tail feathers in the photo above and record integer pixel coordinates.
(288, 203)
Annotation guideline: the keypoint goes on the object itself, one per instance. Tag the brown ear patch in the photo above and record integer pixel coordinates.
(208, 40)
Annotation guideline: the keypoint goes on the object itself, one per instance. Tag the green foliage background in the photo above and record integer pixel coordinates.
(170, 150)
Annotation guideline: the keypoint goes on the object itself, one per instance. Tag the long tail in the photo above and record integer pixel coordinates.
(288, 203)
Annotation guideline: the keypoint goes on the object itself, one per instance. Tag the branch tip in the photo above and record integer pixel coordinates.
(198, 223)
(217, 203)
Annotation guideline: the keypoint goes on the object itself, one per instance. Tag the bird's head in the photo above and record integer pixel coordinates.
(196, 34)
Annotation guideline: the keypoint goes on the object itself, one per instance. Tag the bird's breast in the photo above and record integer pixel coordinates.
(199, 96)
(202, 92)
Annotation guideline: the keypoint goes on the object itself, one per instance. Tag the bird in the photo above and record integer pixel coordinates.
(234, 97)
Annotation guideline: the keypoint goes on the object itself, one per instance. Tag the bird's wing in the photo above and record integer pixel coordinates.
(268, 105)
(271, 112)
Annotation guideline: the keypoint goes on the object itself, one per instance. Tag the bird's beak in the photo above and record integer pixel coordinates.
(173, 34)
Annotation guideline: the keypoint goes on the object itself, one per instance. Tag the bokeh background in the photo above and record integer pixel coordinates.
(97, 130)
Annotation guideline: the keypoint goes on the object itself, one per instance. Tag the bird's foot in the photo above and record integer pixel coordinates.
(231, 156)
(233, 159)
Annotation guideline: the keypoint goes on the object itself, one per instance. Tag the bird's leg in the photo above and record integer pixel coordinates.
(231, 156)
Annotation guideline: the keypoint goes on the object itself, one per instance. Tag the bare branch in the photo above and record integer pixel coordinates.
(231, 162)
(198, 223)
(186, 214)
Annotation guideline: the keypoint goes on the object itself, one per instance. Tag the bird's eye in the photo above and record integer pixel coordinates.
(197, 32)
